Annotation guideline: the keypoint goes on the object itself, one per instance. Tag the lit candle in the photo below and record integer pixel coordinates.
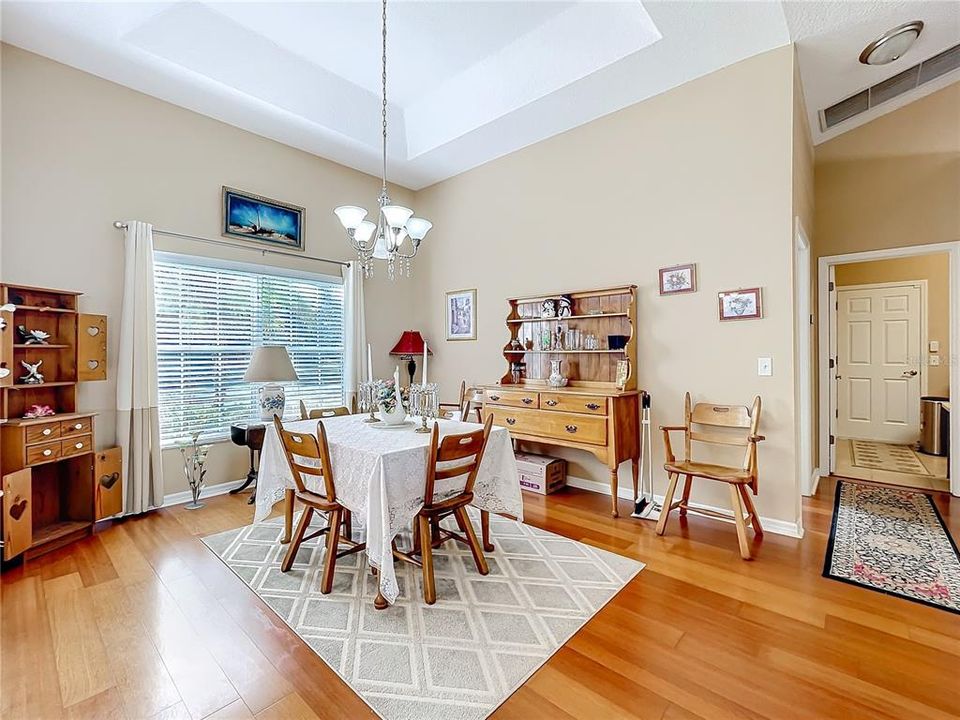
(425, 350)
(369, 365)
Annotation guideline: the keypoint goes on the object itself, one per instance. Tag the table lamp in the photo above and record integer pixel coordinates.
(409, 346)
(270, 365)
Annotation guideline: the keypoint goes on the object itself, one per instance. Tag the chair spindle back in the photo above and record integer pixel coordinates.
(306, 445)
(727, 417)
(455, 448)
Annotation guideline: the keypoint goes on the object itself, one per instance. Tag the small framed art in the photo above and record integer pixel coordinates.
(741, 304)
(461, 313)
(623, 373)
(261, 220)
(678, 279)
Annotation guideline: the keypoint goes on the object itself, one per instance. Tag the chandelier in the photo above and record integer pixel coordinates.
(386, 239)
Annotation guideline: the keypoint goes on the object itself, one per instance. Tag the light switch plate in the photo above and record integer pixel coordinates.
(934, 361)
(764, 367)
(934, 346)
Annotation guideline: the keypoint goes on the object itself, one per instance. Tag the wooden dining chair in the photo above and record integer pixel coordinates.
(319, 413)
(455, 456)
(298, 446)
(461, 409)
(726, 425)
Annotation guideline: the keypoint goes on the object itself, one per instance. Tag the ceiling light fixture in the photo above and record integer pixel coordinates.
(385, 240)
(892, 44)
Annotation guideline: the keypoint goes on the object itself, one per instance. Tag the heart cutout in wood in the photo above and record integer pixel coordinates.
(93, 364)
(108, 481)
(17, 509)
(93, 331)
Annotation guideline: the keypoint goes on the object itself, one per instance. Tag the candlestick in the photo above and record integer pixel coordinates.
(425, 352)
(369, 364)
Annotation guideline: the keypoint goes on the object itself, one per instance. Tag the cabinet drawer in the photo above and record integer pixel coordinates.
(565, 402)
(76, 445)
(80, 426)
(513, 398)
(547, 424)
(17, 513)
(42, 433)
(42, 453)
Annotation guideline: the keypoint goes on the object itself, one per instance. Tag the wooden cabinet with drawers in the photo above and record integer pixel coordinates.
(593, 412)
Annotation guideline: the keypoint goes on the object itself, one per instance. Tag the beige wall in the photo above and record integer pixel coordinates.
(80, 152)
(700, 174)
(935, 269)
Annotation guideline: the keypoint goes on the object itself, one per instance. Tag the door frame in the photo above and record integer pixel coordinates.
(924, 330)
(809, 476)
(825, 269)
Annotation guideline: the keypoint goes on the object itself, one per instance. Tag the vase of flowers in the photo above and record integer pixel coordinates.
(194, 458)
(393, 402)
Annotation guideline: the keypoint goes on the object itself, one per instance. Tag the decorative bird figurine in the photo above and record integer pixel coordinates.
(33, 376)
(33, 337)
(9, 307)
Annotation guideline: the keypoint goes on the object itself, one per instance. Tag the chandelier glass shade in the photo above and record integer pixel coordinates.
(387, 238)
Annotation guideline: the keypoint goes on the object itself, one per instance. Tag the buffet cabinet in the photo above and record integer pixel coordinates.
(597, 408)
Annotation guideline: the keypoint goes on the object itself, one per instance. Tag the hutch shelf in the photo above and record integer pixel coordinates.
(592, 412)
(55, 485)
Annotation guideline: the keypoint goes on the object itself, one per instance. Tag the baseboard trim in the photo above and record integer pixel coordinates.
(179, 498)
(777, 527)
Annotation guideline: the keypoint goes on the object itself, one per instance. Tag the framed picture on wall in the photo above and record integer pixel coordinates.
(678, 279)
(261, 220)
(741, 304)
(461, 313)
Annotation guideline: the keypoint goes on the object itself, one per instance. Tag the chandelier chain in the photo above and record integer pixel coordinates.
(383, 79)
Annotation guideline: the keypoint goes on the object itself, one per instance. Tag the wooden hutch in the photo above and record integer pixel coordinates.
(55, 485)
(592, 412)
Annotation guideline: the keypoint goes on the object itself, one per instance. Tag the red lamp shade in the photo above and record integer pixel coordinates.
(410, 343)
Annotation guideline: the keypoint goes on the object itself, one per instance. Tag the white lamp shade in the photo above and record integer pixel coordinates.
(269, 364)
(350, 216)
(418, 228)
(365, 231)
(396, 215)
(380, 249)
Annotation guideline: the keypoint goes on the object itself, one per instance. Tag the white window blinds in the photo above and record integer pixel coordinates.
(209, 320)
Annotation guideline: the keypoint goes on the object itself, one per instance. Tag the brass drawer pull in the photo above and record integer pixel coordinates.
(511, 421)
(46, 431)
(527, 401)
(592, 406)
(494, 397)
(571, 428)
(552, 403)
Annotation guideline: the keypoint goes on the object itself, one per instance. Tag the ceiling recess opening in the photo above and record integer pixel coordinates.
(910, 79)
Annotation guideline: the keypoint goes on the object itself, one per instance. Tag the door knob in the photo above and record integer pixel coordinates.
(909, 373)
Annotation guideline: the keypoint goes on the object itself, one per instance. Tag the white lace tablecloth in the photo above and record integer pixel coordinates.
(380, 474)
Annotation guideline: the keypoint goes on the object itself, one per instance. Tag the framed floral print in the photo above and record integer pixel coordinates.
(462, 315)
(678, 279)
(740, 304)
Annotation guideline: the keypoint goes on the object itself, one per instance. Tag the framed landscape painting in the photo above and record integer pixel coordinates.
(740, 304)
(462, 315)
(262, 220)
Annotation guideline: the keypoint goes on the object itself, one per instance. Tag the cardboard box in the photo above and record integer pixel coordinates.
(541, 474)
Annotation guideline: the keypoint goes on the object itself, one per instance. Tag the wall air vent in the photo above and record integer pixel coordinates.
(929, 69)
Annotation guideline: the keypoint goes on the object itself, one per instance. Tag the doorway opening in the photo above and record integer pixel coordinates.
(888, 365)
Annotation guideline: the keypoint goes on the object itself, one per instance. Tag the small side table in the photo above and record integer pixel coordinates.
(249, 434)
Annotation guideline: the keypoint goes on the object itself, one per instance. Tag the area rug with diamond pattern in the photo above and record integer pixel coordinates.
(464, 655)
(893, 541)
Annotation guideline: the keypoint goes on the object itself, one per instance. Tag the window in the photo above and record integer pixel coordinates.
(209, 320)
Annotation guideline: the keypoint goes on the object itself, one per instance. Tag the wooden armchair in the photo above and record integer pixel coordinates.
(467, 452)
(299, 446)
(318, 413)
(719, 423)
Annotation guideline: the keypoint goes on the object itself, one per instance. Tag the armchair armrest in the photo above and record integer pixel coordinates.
(667, 428)
(756, 438)
(668, 448)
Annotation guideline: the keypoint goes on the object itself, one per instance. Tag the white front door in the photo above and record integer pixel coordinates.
(878, 365)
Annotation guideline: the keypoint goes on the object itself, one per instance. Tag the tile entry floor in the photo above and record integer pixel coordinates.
(936, 466)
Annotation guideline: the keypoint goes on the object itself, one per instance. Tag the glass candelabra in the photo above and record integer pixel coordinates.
(424, 402)
(368, 399)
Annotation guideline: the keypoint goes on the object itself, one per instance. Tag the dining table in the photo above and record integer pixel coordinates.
(379, 472)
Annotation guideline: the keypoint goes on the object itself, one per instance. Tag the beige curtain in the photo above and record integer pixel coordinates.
(354, 333)
(138, 420)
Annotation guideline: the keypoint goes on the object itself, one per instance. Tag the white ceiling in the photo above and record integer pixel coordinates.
(468, 81)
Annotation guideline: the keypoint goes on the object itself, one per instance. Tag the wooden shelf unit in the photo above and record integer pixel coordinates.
(591, 413)
(53, 492)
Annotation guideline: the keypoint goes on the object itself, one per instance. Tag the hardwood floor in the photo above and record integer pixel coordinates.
(142, 621)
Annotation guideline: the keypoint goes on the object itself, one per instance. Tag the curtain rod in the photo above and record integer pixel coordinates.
(123, 226)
